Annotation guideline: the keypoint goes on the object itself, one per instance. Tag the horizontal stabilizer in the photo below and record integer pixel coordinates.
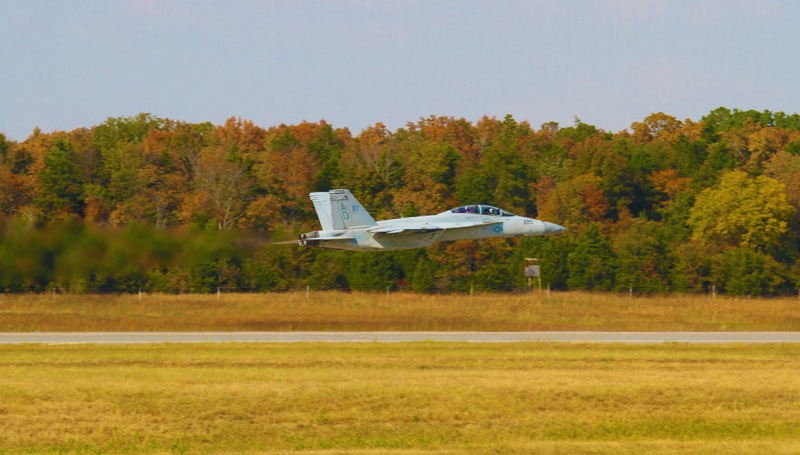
(333, 237)
(286, 242)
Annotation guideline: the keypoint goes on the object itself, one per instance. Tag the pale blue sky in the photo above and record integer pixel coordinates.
(68, 64)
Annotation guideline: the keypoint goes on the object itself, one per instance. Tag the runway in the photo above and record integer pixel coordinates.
(390, 337)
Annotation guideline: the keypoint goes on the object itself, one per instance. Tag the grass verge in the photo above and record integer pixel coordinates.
(340, 311)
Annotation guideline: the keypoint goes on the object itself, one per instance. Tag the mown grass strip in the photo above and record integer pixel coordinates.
(407, 397)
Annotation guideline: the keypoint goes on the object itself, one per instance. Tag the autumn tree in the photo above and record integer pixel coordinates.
(223, 185)
(429, 176)
(370, 166)
(573, 202)
(458, 133)
(17, 191)
(4, 147)
(669, 205)
(117, 182)
(287, 167)
(741, 211)
(658, 125)
(785, 168)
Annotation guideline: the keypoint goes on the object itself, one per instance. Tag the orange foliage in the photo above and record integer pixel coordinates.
(654, 126)
(224, 184)
(263, 213)
(95, 210)
(459, 133)
(785, 168)
(763, 143)
(572, 202)
(16, 191)
(669, 182)
(422, 192)
(292, 171)
(247, 137)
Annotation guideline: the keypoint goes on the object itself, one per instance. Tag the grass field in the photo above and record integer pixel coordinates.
(420, 398)
(333, 310)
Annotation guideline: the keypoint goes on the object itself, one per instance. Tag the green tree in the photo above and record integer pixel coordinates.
(119, 130)
(4, 147)
(552, 253)
(60, 182)
(642, 264)
(492, 277)
(326, 271)
(745, 271)
(423, 279)
(473, 188)
(592, 264)
(328, 149)
(262, 273)
(370, 271)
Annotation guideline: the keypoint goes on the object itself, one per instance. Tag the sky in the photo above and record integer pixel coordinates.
(353, 63)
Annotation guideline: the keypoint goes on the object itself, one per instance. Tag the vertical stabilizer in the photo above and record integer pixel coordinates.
(322, 205)
(345, 210)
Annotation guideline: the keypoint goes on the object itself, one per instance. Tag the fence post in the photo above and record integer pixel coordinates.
(630, 292)
(471, 289)
(218, 293)
(307, 287)
(387, 292)
(140, 294)
(713, 291)
(548, 290)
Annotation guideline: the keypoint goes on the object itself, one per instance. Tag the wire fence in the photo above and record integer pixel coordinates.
(544, 289)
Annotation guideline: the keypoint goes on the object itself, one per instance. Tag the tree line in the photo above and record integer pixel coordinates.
(156, 204)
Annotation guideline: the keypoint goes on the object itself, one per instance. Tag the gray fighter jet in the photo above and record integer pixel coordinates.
(347, 226)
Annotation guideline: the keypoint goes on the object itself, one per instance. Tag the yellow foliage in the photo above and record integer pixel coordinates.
(741, 210)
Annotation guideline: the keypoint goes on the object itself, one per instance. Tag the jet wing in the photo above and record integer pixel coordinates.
(415, 227)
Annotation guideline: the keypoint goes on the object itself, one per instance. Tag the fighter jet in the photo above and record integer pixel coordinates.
(347, 226)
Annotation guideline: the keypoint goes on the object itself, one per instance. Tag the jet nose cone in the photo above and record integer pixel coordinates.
(552, 228)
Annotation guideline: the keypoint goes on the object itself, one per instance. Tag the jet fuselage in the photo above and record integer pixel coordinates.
(422, 231)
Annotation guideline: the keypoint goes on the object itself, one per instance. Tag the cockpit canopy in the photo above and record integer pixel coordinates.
(481, 210)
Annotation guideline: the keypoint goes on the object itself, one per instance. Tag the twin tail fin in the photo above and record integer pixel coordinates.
(339, 209)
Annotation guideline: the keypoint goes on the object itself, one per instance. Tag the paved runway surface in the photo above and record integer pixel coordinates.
(477, 337)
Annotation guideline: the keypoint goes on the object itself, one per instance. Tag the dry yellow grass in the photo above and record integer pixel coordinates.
(398, 311)
(370, 398)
